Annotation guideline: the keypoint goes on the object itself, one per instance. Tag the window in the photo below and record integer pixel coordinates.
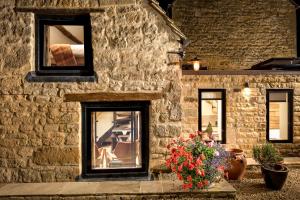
(115, 139)
(212, 112)
(279, 115)
(63, 45)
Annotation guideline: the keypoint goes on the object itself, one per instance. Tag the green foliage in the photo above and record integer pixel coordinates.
(266, 154)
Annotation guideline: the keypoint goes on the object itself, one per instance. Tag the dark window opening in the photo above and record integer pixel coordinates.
(115, 139)
(167, 5)
(63, 45)
(212, 113)
(279, 115)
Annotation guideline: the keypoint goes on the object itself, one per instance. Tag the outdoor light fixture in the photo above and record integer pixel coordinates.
(247, 90)
(196, 64)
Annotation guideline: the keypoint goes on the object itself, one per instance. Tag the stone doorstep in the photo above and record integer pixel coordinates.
(287, 161)
(113, 188)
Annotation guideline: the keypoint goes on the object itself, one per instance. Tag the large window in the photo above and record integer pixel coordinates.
(279, 115)
(63, 45)
(212, 113)
(115, 139)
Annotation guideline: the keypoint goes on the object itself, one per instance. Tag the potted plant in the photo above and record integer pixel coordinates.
(273, 170)
(196, 163)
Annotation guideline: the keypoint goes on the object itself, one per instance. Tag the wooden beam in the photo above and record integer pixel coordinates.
(108, 96)
(68, 34)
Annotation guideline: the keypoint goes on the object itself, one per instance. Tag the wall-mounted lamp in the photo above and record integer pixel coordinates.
(196, 64)
(246, 90)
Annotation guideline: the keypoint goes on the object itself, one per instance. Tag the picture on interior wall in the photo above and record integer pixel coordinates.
(212, 113)
(116, 138)
(279, 115)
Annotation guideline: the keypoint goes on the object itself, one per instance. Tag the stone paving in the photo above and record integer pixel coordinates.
(112, 190)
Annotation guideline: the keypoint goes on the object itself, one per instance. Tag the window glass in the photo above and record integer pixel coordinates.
(116, 140)
(278, 116)
(211, 111)
(64, 45)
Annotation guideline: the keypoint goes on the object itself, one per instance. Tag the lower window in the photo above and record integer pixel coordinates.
(115, 139)
(212, 108)
(279, 115)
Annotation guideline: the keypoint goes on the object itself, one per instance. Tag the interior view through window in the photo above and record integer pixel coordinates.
(116, 139)
(278, 115)
(64, 45)
(211, 114)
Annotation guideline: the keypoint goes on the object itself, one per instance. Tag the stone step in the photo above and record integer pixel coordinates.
(112, 190)
(291, 162)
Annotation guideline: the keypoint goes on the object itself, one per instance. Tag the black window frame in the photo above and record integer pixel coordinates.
(223, 98)
(290, 93)
(73, 19)
(118, 173)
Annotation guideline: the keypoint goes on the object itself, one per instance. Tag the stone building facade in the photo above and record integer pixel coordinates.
(135, 50)
(234, 35)
(40, 133)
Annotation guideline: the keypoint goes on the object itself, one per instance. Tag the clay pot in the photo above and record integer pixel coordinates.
(238, 164)
(274, 175)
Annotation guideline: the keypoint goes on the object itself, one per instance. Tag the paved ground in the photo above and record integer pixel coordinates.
(159, 189)
(253, 188)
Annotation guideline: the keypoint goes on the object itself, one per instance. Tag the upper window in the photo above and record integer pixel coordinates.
(63, 45)
(279, 115)
(212, 113)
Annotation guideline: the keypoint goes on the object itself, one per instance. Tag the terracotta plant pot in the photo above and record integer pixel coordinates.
(238, 164)
(274, 175)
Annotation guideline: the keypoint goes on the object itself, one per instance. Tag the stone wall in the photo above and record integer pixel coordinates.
(245, 117)
(39, 132)
(235, 34)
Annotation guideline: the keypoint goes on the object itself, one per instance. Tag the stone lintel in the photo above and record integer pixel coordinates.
(88, 5)
(108, 96)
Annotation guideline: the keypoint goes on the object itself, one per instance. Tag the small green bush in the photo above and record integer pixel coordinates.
(266, 154)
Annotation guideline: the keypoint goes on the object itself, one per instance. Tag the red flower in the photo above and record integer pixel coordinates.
(180, 168)
(202, 173)
(199, 161)
(187, 186)
(179, 176)
(192, 136)
(189, 178)
(200, 185)
(205, 182)
(191, 166)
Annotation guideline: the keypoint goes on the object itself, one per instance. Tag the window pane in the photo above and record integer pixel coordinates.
(276, 96)
(211, 95)
(116, 140)
(211, 115)
(64, 45)
(278, 120)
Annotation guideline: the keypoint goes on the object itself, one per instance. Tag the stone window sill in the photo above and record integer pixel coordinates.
(33, 77)
(240, 72)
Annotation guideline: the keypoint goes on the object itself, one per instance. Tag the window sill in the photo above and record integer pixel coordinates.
(33, 77)
(240, 72)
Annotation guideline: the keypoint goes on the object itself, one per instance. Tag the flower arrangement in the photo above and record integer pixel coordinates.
(196, 162)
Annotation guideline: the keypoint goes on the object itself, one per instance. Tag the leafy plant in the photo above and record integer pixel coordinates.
(196, 162)
(266, 154)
